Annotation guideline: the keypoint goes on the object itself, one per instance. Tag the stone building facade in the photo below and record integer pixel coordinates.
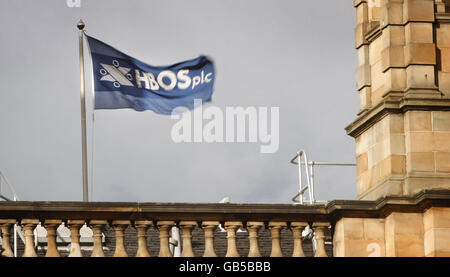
(402, 131)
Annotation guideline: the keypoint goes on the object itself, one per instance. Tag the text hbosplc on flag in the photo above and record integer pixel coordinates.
(122, 81)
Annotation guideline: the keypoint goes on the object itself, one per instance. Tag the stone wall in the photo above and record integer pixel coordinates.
(402, 131)
(397, 235)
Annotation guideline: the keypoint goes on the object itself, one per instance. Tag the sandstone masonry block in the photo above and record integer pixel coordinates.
(393, 56)
(418, 121)
(420, 53)
(443, 35)
(420, 161)
(420, 76)
(391, 13)
(443, 162)
(418, 32)
(393, 36)
(418, 10)
(395, 79)
(445, 59)
(441, 121)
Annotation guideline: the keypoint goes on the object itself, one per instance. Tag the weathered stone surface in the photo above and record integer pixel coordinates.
(393, 56)
(441, 121)
(360, 35)
(420, 76)
(420, 161)
(391, 13)
(393, 36)
(404, 235)
(442, 162)
(418, 121)
(420, 53)
(362, 13)
(358, 237)
(445, 59)
(363, 76)
(405, 53)
(418, 10)
(443, 35)
(395, 79)
(416, 32)
(365, 98)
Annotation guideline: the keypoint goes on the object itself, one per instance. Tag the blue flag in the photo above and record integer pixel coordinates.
(121, 81)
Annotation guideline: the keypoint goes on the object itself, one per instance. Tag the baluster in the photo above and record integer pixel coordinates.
(142, 227)
(186, 234)
(297, 229)
(50, 226)
(28, 226)
(275, 229)
(253, 228)
(6, 225)
(232, 227)
(164, 228)
(208, 228)
(319, 235)
(119, 227)
(75, 248)
(97, 230)
(440, 6)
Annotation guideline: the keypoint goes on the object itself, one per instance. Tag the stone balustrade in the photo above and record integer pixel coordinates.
(238, 222)
(339, 228)
(164, 228)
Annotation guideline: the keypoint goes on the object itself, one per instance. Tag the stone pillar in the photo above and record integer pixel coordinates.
(253, 228)
(359, 237)
(297, 229)
(275, 229)
(74, 227)
(28, 226)
(440, 6)
(186, 234)
(164, 228)
(208, 228)
(50, 226)
(119, 227)
(232, 227)
(402, 131)
(363, 81)
(319, 234)
(404, 235)
(142, 227)
(6, 226)
(97, 229)
(437, 232)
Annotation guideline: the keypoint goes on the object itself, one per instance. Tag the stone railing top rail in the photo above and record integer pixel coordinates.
(329, 212)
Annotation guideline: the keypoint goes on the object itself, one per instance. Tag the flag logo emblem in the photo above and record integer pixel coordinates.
(116, 74)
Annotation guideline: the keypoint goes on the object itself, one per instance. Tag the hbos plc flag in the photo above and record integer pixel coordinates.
(121, 81)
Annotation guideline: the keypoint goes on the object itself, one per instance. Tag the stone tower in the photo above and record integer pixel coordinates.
(402, 130)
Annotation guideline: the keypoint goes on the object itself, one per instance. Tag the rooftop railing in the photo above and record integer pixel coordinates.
(187, 216)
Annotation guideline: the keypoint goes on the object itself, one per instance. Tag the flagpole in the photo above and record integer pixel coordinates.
(80, 27)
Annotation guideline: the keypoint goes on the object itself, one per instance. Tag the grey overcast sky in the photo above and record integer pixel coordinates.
(296, 55)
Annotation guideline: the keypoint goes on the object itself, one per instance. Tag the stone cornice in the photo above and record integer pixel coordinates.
(375, 114)
(443, 17)
(225, 212)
